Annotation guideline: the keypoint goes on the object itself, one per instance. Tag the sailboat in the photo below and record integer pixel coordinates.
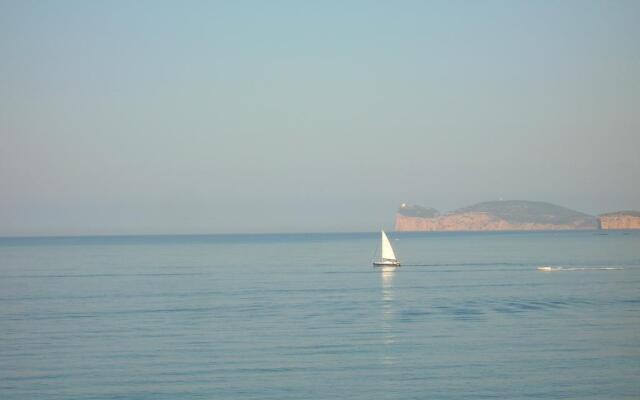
(387, 256)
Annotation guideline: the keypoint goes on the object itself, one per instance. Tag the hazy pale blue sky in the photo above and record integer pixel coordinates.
(254, 116)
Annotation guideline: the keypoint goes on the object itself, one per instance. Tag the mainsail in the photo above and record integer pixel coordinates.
(387, 251)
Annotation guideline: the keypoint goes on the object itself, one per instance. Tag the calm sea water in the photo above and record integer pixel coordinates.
(467, 316)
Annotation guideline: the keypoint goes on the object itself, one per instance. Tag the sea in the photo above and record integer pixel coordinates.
(306, 316)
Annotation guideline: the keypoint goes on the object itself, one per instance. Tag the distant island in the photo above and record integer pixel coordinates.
(510, 215)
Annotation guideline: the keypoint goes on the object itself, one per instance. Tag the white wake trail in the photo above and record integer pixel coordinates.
(547, 268)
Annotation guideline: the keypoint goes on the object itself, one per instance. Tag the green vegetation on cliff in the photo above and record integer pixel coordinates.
(628, 212)
(417, 211)
(521, 211)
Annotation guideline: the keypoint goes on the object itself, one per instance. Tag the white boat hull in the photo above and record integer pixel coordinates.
(386, 263)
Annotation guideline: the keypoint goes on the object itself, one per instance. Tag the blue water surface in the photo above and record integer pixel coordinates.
(305, 316)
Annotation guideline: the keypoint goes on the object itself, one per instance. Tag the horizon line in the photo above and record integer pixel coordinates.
(114, 235)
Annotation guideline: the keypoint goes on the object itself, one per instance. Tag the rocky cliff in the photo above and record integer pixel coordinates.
(513, 215)
(620, 220)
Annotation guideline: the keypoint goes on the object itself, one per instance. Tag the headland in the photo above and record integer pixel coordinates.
(510, 215)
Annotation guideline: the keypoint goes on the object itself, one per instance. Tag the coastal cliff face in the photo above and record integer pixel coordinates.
(511, 215)
(476, 221)
(620, 220)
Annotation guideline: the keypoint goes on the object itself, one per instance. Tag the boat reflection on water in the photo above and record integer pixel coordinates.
(387, 295)
(388, 337)
(387, 282)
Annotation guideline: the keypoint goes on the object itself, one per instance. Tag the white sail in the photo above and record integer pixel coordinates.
(387, 251)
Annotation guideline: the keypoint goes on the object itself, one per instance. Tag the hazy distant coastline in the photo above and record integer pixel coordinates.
(510, 215)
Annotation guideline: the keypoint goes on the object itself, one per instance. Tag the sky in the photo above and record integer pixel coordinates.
(152, 117)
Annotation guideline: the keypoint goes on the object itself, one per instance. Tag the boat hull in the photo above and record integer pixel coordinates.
(386, 263)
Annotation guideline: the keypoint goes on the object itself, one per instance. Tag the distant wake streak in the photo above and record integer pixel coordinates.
(558, 269)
